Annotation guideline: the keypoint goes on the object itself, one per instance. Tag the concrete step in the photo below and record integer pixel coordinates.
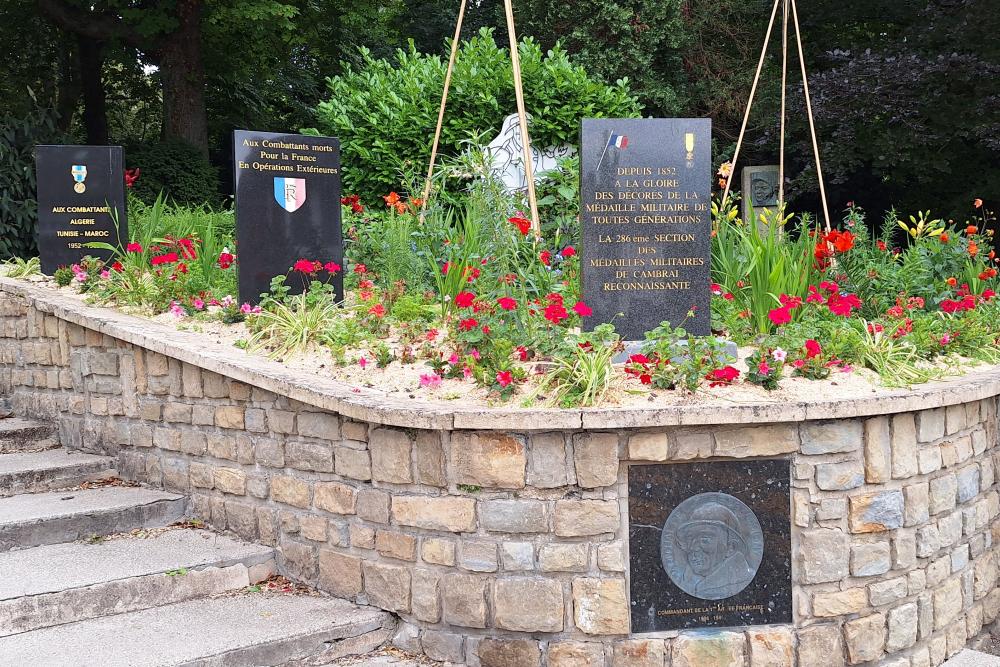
(24, 435)
(63, 583)
(236, 630)
(970, 658)
(34, 519)
(31, 472)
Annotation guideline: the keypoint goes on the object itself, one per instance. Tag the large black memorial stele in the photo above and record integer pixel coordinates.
(287, 207)
(78, 189)
(709, 544)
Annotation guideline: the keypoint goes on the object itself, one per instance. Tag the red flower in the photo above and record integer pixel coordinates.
(391, 199)
(378, 310)
(988, 294)
(582, 309)
(504, 378)
(468, 324)
(843, 305)
(332, 267)
(360, 269)
(507, 303)
(813, 349)
(555, 312)
(880, 244)
(568, 251)
(187, 248)
(117, 266)
(728, 296)
(354, 201)
(841, 241)
(721, 376)
(464, 299)
(522, 352)
(523, 224)
(182, 268)
(168, 258)
(131, 176)
(545, 257)
(304, 266)
(790, 301)
(781, 315)
(133, 247)
(716, 289)
(226, 259)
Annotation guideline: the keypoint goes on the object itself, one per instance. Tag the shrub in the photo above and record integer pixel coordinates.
(18, 201)
(177, 169)
(384, 112)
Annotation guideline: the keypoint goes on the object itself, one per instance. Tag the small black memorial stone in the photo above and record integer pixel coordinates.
(287, 207)
(78, 189)
(709, 544)
(645, 197)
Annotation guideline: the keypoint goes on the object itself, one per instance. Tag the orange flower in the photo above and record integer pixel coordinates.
(952, 282)
(417, 202)
(973, 249)
(943, 238)
(971, 229)
(399, 206)
(391, 198)
(978, 203)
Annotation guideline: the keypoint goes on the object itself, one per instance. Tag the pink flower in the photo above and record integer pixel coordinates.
(475, 354)
(227, 301)
(198, 304)
(813, 349)
(781, 315)
(779, 354)
(332, 267)
(763, 368)
(504, 378)
(716, 289)
(362, 362)
(945, 339)
(176, 310)
(378, 310)
(466, 372)
(453, 359)
(105, 274)
(431, 380)
(582, 309)
(133, 247)
(81, 276)
(522, 353)
(799, 363)
(247, 309)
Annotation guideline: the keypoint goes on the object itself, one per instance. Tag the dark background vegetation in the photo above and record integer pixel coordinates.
(906, 92)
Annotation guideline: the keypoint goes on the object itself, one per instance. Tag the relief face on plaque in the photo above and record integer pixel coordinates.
(764, 188)
(712, 546)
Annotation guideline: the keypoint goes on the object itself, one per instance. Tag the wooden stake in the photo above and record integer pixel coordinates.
(529, 167)
(444, 101)
(784, 79)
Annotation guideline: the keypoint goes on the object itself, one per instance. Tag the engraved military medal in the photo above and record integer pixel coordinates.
(79, 172)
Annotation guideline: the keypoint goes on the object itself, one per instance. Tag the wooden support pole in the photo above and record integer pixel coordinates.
(784, 80)
(529, 167)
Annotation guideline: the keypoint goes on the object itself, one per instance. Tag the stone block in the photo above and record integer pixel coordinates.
(929, 459)
(689, 445)
(968, 483)
(428, 458)
(437, 551)
(902, 622)
(201, 476)
(444, 646)
(595, 456)
(387, 586)
(494, 652)
(600, 606)
(767, 440)
(947, 603)
(821, 645)
(298, 560)
(611, 556)
(361, 537)
(887, 591)
(291, 491)
(943, 493)
(335, 497)
(580, 518)
(425, 594)
(865, 638)
(313, 456)
(517, 556)
(513, 516)
(771, 648)
(832, 437)
(353, 463)
(393, 544)
(930, 425)
(478, 556)
(447, 513)
(639, 653)
(876, 512)
(714, 648)
(878, 450)
(373, 505)
(840, 476)
(390, 455)
(575, 654)
(231, 480)
(313, 528)
(528, 604)
(464, 600)
(489, 460)
(904, 446)
(824, 555)
(229, 416)
(868, 560)
(340, 574)
(557, 557)
(839, 603)
(547, 468)
(321, 425)
(916, 504)
(648, 447)
(281, 421)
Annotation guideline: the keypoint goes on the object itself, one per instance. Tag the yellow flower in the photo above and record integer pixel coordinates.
(725, 169)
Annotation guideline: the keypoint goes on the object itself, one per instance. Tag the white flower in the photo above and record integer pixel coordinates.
(779, 354)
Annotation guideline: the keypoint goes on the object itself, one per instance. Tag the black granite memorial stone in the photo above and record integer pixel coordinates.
(645, 197)
(79, 187)
(709, 544)
(287, 207)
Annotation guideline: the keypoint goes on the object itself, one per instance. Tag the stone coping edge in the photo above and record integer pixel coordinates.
(374, 406)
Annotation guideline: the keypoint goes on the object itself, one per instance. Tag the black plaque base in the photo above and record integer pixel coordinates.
(709, 544)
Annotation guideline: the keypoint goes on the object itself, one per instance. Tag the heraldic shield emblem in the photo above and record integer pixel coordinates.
(290, 193)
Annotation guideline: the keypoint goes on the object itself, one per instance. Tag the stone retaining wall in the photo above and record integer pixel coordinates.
(509, 547)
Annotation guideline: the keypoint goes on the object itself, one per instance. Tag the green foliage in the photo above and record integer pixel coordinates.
(18, 203)
(382, 111)
(583, 374)
(292, 325)
(176, 169)
(18, 267)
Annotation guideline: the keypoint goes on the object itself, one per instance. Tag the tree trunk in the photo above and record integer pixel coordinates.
(67, 85)
(183, 77)
(95, 112)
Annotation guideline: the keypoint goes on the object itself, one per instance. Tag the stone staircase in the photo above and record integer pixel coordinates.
(91, 573)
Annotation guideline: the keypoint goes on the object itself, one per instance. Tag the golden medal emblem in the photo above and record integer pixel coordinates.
(79, 172)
